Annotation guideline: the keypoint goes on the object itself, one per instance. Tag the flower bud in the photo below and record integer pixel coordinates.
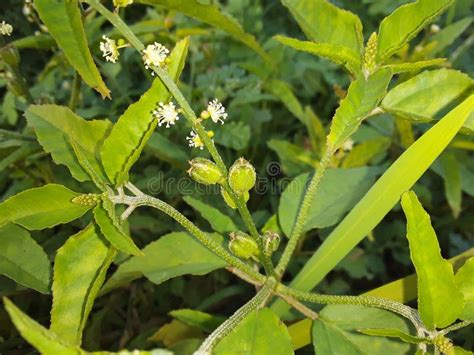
(242, 176)
(228, 199)
(10, 55)
(243, 246)
(122, 3)
(271, 241)
(370, 54)
(86, 199)
(205, 171)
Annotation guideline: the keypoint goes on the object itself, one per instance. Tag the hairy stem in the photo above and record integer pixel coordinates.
(216, 248)
(456, 327)
(234, 320)
(303, 214)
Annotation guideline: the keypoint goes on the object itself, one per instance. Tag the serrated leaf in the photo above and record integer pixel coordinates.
(56, 125)
(380, 199)
(439, 300)
(23, 260)
(464, 280)
(172, 255)
(112, 231)
(362, 97)
(335, 53)
(201, 320)
(338, 192)
(319, 20)
(64, 22)
(79, 271)
(211, 15)
(364, 152)
(220, 222)
(407, 67)
(424, 95)
(452, 182)
(404, 23)
(261, 332)
(41, 338)
(393, 333)
(41, 207)
(129, 135)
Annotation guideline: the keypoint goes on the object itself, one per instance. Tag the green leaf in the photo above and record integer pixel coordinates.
(23, 260)
(457, 350)
(393, 333)
(111, 229)
(219, 222)
(464, 280)
(335, 53)
(424, 95)
(166, 150)
(407, 67)
(55, 126)
(261, 332)
(448, 35)
(129, 135)
(380, 199)
(41, 207)
(201, 320)
(338, 192)
(283, 91)
(336, 331)
(211, 15)
(41, 338)
(64, 22)
(79, 271)
(363, 96)
(404, 23)
(439, 300)
(319, 20)
(235, 135)
(452, 182)
(294, 159)
(364, 152)
(173, 255)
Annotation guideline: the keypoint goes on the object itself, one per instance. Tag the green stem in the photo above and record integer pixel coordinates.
(303, 213)
(456, 327)
(216, 248)
(225, 328)
(76, 91)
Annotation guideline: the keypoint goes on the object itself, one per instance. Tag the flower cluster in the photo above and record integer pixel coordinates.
(195, 141)
(6, 29)
(155, 55)
(109, 49)
(166, 114)
(215, 111)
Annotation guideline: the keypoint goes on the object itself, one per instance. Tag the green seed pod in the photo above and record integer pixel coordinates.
(271, 241)
(243, 246)
(242, 176)
(10, 55)
(86, 199)
(228, 199)
(205, 171)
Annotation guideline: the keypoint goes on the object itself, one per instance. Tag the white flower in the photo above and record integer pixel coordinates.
(109, 49)
(155, 55)
(195, 141)
(6, 29)
(434, 28)
(166, 113)
(216, 111)
(348, 145)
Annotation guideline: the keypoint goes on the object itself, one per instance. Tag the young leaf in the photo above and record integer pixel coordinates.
(439, 300)
(380, 199)
(220, 222)
(41, 207)
(172, 255)
(79, 271)
(211, 15)
(424, 95)
(404, 23)
(111, 229)
(338, 192)
(55, 126)
(63, 19)
(33, 268)
(134, 127)
(46, 341)
(452, 182)
(464, 280)
(337, 54)
(407, 67)
(319, 20)
(362, 97)
(393, 333)
(261, 332)
(201, 320)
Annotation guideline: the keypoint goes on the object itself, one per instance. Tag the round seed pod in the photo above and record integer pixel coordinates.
(228, 199)
(242, 176)
(243, 246)
(205, 171)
